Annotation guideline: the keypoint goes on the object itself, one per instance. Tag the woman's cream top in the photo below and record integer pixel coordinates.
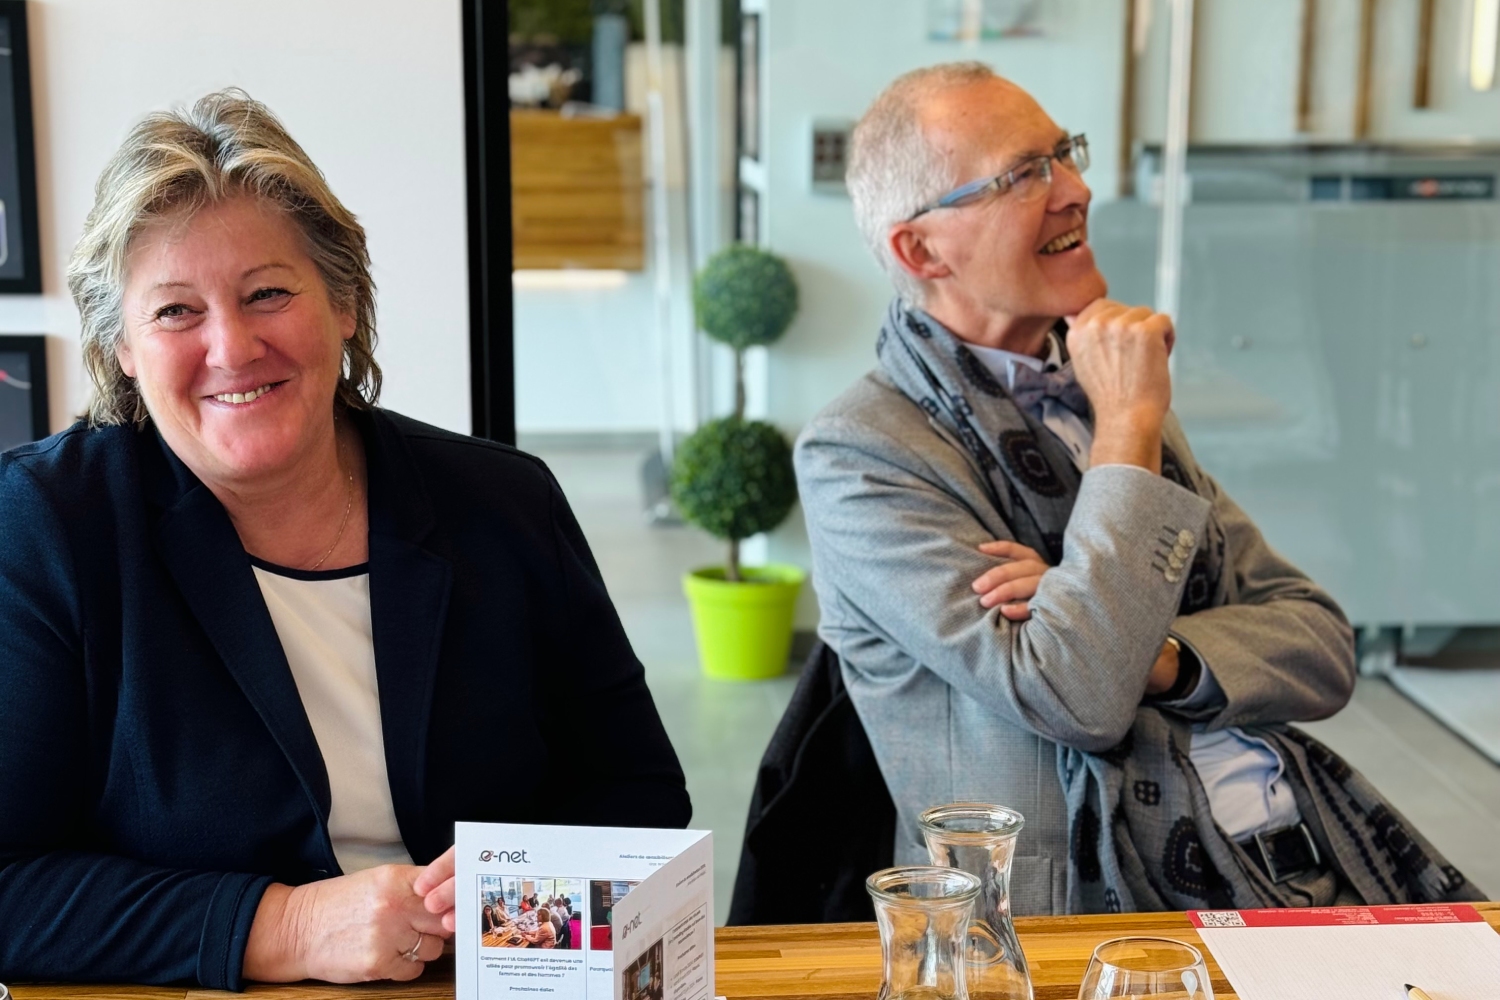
(323, 621)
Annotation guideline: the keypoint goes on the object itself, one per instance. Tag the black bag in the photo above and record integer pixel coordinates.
(821, 817)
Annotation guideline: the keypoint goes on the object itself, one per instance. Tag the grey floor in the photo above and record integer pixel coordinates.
(1448, 790)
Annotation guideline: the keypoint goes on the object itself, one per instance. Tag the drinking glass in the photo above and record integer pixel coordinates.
(981, 840)
(924, 915)
(1146, 967)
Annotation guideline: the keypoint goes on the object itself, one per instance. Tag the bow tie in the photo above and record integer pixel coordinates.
(1029, 387)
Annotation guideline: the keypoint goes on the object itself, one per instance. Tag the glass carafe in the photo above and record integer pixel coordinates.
(924, 915)
(981, 839)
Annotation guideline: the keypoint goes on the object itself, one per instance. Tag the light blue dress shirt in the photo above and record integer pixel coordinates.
(1244, 776)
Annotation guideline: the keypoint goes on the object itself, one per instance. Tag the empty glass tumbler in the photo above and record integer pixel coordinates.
(924, 916)
(1146, 967)
(981, 840)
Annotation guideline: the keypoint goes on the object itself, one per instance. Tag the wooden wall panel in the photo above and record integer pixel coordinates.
(578, 191)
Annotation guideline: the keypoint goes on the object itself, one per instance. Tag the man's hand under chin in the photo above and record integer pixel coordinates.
(1120, 356)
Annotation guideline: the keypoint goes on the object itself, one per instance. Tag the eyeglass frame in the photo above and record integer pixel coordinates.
(1003, 182)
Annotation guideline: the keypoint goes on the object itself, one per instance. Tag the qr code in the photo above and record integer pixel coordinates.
(1221, 918)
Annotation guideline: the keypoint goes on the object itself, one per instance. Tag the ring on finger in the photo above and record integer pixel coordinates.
(411, 953)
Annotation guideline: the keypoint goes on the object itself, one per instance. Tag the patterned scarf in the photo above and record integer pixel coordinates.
(1033, 481)
(1159, 848)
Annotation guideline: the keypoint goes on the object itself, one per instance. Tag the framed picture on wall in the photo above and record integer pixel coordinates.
(20, 257)
(23, 390)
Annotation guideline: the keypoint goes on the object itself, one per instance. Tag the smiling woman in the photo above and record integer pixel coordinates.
(236, 350)
(249, 621)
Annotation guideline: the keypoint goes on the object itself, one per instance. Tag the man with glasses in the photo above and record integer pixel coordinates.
(1037, 597)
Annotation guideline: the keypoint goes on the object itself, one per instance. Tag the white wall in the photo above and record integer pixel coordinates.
(372, 89)
(1246, 66)
(587, 356)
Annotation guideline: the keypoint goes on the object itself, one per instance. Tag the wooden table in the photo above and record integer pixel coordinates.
(842, 961)
(812, 962)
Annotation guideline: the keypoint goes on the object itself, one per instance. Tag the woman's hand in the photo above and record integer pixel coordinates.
(435, 886)
(1012, 584)
(350, 929)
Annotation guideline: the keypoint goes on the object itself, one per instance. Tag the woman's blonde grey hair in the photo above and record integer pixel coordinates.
(893, 169)
(171, 165)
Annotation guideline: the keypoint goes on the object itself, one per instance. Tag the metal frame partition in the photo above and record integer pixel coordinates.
(492, 369)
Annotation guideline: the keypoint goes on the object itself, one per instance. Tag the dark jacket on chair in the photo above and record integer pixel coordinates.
(821, 818)
(157, 770)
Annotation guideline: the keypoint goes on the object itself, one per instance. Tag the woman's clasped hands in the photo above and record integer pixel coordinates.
(380, 923)
(435, 886)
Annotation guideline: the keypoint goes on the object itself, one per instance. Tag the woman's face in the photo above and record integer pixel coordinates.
(233, 341)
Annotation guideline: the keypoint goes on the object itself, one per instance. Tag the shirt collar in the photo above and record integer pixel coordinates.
(1002, 364)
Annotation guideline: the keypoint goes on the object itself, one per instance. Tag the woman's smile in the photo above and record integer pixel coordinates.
(240, 400)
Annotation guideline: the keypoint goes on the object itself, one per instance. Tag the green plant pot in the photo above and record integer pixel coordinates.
(744, 629)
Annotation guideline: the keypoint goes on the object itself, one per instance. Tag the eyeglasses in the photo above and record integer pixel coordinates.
(1026, 180)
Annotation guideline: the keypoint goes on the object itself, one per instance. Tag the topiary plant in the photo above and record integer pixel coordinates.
(733, 478)
(744, 297)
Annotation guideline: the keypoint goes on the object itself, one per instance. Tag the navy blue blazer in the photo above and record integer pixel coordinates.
(157, 770)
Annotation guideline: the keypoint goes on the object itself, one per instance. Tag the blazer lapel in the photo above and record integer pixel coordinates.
(409, 591)
(205, 558)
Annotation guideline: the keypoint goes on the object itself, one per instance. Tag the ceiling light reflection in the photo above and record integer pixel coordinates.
(569, 280)
(1486, 44)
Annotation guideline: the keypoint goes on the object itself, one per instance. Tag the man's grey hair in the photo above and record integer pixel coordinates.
(893, 169)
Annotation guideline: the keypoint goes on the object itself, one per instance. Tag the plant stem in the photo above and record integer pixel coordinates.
(739, 384)
(732, 571)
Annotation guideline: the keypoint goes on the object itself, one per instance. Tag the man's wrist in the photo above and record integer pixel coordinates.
(1131, 439)
(1189, 673)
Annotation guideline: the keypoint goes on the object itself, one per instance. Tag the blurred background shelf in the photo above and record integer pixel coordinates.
(579, 191)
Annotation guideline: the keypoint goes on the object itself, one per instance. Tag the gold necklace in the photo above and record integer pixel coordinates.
(348, 506)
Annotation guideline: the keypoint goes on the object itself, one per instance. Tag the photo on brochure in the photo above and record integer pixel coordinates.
(642, 979)
(550, 911)
(604, 895)
(524, 912)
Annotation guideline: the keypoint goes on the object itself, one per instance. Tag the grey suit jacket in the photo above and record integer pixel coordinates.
(961, 704)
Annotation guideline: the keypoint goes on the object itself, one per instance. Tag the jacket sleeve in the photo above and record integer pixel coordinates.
(69, 911)
(621, 768)
(1282, 652)
(901, 551)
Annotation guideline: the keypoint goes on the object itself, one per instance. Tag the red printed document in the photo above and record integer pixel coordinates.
(1354, 952)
